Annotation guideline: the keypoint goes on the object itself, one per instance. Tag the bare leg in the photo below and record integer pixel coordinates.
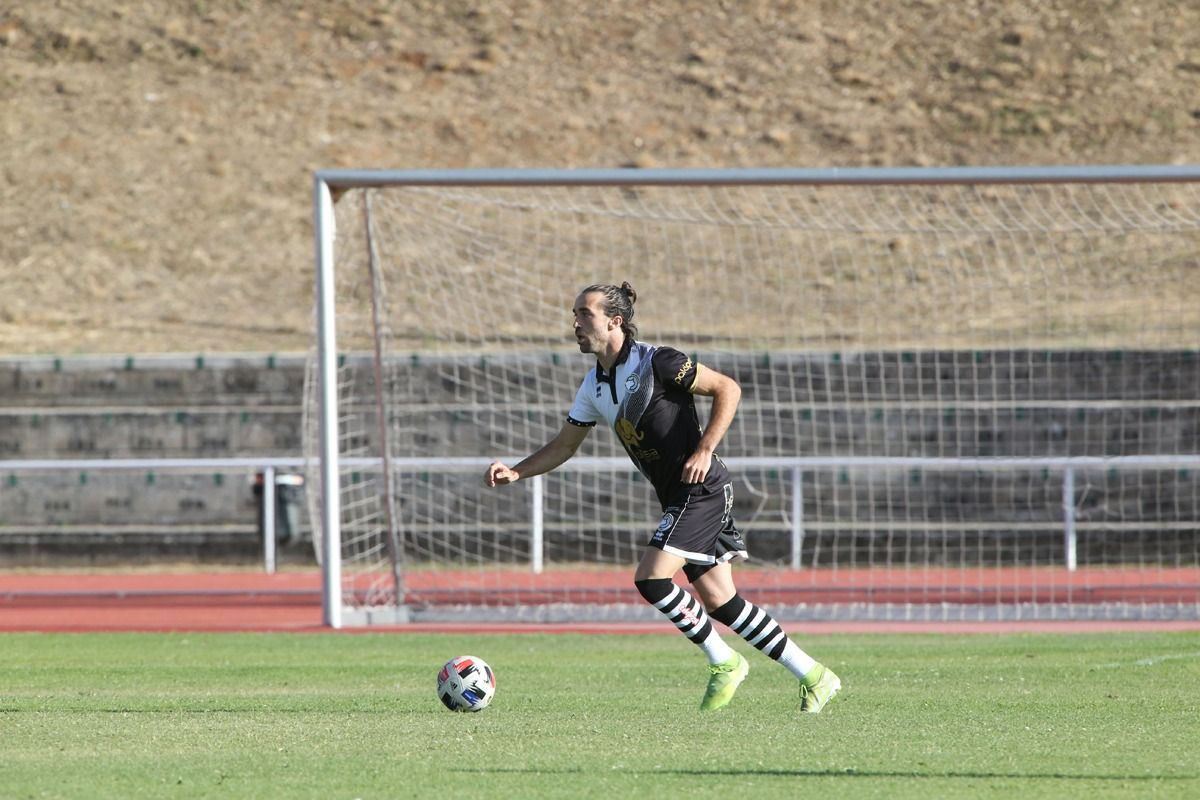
(657, 563)
(715, 587)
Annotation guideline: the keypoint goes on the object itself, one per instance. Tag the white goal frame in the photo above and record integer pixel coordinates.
(327, 184)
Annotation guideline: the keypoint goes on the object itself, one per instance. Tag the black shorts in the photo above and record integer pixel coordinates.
(699, 528)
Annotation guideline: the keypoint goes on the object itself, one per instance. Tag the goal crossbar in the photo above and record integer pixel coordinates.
(834, 176)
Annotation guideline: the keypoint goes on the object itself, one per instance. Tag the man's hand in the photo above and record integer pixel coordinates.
(550, 455)
(695, 469)
(499, 475)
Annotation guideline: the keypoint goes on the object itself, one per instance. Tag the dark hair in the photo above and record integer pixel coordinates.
(618, 302)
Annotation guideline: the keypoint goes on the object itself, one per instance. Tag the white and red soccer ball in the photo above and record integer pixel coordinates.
(466, 683)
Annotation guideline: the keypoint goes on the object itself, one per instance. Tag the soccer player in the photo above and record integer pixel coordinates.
(645, 392)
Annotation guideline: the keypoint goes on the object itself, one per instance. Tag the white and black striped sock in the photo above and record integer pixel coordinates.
(760, 629)
(687, 614)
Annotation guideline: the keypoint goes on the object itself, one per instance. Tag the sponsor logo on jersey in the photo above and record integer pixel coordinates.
(683, 371)
(645, 456)
(629, 433)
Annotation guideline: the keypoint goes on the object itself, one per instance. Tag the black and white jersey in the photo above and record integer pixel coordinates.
(647, 400)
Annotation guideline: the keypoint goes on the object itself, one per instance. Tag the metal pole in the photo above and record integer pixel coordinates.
(797, 516)
(268, 513)
(331, 610)
(394, 547)
(536, 540)
(1068, 504)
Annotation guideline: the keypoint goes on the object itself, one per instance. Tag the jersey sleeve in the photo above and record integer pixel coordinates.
(675, 371)
(583, 412)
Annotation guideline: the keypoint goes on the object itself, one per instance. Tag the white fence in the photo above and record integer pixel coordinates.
(793, 467)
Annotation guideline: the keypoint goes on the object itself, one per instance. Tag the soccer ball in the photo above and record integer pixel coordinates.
(466, 683)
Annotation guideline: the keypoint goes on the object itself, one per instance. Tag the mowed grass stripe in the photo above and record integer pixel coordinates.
(314, 715)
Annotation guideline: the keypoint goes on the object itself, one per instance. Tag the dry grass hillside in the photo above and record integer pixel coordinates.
(157, 155)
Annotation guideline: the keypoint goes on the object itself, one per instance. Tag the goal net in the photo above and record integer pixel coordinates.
(967, 394)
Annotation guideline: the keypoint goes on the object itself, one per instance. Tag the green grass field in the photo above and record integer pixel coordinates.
(355, 716)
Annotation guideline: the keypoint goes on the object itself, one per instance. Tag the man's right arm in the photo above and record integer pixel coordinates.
(549, 456)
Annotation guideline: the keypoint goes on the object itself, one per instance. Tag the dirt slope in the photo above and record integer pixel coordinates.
(157, 156)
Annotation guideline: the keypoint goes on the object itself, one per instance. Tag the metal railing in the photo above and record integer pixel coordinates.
(268, 466)
(796, 466)
(793, 466)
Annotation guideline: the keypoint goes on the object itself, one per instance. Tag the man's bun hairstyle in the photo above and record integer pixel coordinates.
(630, 292)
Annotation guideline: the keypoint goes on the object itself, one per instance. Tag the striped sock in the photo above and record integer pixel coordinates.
(687, 614)
(760, 629)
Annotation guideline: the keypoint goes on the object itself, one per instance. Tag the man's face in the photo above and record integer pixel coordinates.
(592, 327)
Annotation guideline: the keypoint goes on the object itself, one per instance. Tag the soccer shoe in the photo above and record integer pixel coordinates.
(723, 680)
(818, 688)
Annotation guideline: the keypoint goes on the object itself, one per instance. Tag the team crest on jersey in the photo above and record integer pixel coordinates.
(633, 382)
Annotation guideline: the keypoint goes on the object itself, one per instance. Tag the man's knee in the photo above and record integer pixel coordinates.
(654, 590)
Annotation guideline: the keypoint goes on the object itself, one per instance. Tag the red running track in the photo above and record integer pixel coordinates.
(245, 601)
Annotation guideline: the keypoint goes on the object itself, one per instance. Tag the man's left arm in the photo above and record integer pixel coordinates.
(725, 394)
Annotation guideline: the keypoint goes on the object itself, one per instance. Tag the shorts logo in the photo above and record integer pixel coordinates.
(632, 383)
(683, 371)
(665, 525)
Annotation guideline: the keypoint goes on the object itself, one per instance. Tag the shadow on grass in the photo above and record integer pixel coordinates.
(841, 773)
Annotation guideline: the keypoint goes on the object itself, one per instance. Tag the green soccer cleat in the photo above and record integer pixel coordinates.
(723, 681)
(817, 688)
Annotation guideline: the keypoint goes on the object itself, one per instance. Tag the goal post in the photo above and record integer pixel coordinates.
(968, 393)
